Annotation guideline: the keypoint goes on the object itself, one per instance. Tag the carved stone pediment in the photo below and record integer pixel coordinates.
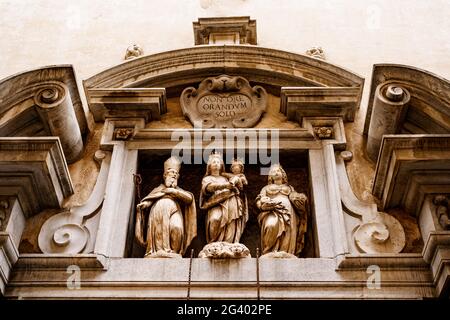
(224, 102)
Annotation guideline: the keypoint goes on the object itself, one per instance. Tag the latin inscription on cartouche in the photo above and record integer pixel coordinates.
(225, 107)
(224, 102)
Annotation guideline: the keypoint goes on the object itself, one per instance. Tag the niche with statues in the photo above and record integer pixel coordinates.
(246, 225)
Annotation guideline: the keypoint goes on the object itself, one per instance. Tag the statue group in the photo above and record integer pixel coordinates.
(166, 219)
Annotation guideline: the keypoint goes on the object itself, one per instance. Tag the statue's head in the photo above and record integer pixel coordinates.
(215, 164)
(277, 173)
(237, 166)
(171, 172)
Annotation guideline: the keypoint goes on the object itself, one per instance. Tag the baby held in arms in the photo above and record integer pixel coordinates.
(236, 177)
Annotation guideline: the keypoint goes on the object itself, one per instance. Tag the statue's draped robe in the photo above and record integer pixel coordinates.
(161, 212)
(225, 206)
(282, 232)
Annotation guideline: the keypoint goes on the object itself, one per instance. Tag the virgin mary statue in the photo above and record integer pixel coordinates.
(226, 207)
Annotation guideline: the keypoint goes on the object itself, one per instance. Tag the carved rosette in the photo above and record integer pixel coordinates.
(224, 250)
(323, 132)
(224, 102)
(123, 133)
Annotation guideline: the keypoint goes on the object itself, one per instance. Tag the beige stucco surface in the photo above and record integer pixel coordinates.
(93, 35)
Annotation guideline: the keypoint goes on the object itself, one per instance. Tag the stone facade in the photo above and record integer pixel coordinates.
(77, 157)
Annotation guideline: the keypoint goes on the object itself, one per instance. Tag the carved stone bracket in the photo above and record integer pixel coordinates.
(223, 250)
(73, 231)
(376, 232)
(224, 102)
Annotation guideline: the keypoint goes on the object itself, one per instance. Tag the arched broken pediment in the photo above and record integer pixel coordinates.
(44, 102)
(408, 128)
(257, 64)
(428, 111)
(178, 69)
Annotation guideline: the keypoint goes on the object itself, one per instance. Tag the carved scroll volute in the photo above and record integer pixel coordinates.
(381, 234)
(389, 109)
(67, 232)
(377, 232)
(224, 102)
(55, 106)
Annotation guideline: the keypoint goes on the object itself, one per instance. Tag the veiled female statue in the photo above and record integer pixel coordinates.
(166, 219)
(226, 204)
(283, 215)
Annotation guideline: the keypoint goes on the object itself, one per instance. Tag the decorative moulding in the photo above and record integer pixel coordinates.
(61, 261)
(224, 102)
(164, 139)
(234, 30)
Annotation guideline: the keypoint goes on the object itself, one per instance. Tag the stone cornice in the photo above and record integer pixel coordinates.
(405, 154)
(298, 102)
(187, 66)
(148, 103)
(35, 170)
